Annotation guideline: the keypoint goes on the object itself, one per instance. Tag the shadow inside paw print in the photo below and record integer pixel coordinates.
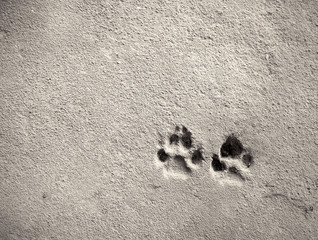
(231, 147)
(237, 172)
(174, 139)
(182, 164)
(247, 159)
(197, 156)
(186, 139)
(216, 164)
(162, 155)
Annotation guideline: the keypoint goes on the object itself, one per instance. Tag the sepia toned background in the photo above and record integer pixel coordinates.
(88, 88)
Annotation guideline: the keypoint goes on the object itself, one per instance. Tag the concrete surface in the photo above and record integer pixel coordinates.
(91, 89)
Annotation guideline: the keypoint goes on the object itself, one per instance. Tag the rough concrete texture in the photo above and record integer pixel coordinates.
(91, 90)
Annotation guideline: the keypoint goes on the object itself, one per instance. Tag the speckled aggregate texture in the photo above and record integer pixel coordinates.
(89, 88)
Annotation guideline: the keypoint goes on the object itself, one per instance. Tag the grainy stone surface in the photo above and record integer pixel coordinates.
(90, 90)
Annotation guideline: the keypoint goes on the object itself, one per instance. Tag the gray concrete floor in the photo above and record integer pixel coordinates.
(91, 89)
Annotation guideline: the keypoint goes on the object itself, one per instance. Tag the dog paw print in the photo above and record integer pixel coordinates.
(179, 154)
(233, 160)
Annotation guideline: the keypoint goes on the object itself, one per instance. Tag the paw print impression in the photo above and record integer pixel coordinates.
(231, 147)
(178, 154)
(216, 164)
(234, 163)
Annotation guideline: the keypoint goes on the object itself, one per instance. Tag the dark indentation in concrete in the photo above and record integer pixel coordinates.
(182, 163)
(234, 170)
(231, 147)
(237, 172)
(174, 138)
(184, 129)
(197, 156)
(177, 128)
(186, 139)
(162, 155)
(309, 209)
(155, 186)
(248, 160)
(216, 164)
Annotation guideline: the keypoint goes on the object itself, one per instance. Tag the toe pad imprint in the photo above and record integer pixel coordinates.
(231, 147)
(216, 164)
(162, 155)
